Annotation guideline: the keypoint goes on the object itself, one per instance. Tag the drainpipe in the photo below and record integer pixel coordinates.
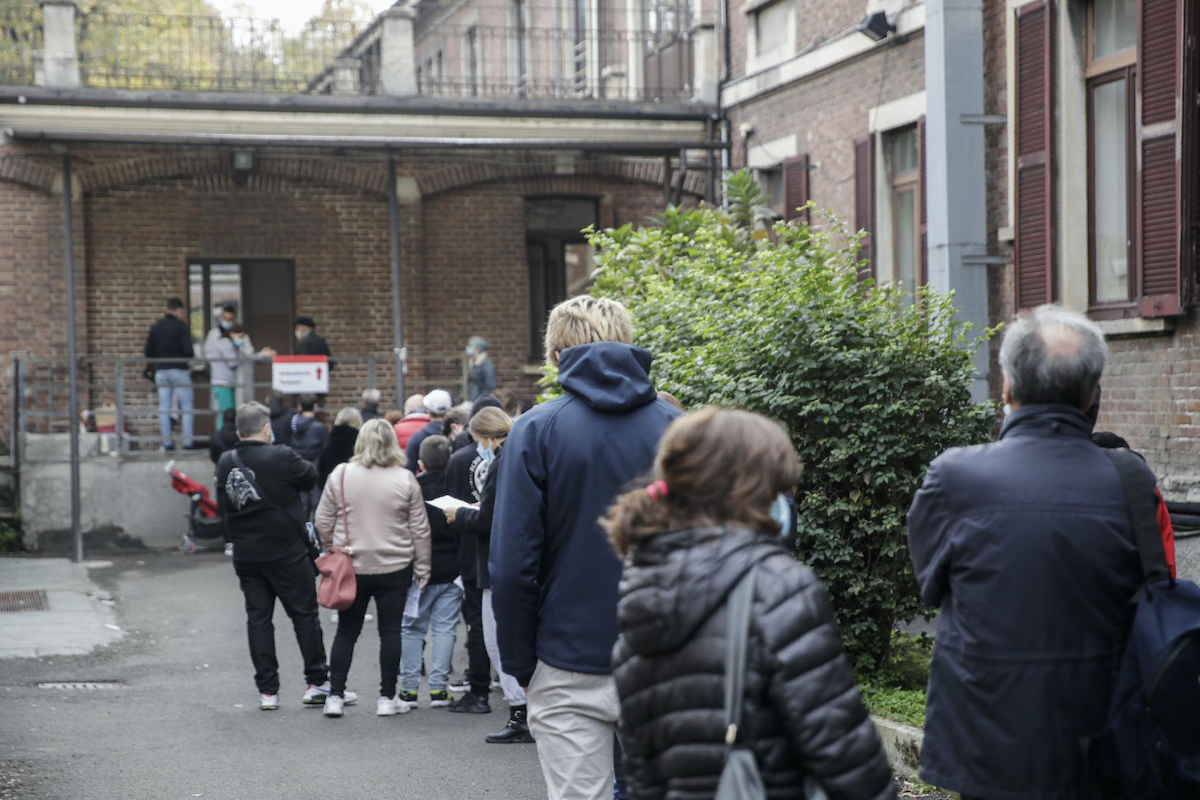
(72, 356)
(957, 199)
(397, 287)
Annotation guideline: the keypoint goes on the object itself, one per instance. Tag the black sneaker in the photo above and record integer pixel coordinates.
(470, 704)
(438, 699)
(410, 698)
(460, 686)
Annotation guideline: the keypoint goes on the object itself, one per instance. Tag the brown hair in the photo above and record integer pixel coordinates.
(721, 467)
(667, 397)
(490, 423)
(393, 416)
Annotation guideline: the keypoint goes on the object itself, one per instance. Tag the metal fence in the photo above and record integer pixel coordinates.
(206, 53)
(553, 62)
(120, 403)
(20, 41)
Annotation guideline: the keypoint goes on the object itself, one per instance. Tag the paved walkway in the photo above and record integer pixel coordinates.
(80, 615)
(186, 724)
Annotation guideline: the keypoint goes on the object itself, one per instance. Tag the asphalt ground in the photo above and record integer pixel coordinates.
(185, 722)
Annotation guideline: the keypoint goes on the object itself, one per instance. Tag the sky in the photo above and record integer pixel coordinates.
(292, 13)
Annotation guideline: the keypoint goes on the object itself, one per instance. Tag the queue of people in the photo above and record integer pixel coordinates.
(611, 555)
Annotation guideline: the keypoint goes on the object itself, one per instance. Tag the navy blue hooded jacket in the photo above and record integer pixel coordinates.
(1026, 546)
(554, 575)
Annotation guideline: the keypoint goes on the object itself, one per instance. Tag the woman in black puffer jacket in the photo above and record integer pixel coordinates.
(710, 515)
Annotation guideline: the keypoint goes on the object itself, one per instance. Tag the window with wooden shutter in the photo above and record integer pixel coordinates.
(1191, 154)
(795, 189)
(1033, 253)
(864, 201)
(923, 223)
(1161, 30)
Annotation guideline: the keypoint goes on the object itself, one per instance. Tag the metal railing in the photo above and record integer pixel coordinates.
(553, 63)
(120, 404)
(206, 53)
(20, 41)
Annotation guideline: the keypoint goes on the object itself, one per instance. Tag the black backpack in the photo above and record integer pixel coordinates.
(1150, 748)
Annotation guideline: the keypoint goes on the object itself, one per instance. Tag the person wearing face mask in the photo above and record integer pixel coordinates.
(225, 353)
(259, 493)
(490, 428)
(714, 515)
(480, 371)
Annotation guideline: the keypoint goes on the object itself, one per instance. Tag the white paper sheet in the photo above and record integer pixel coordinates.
(447, 502)
(412, 606)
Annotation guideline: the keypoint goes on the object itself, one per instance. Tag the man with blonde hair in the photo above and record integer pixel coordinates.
(553, 574)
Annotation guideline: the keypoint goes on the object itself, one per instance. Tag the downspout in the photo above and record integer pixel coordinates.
(719, 117)
(398, 349)
(72, 357)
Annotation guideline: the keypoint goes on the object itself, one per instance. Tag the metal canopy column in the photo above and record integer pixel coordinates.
(397, 287)
(72, 355)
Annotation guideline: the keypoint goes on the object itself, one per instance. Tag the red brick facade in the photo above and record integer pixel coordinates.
(141, 215)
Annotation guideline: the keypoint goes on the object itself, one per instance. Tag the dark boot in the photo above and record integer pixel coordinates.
(516, 731)
(471, 703)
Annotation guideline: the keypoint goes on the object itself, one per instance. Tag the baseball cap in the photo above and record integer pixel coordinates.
(438, 402)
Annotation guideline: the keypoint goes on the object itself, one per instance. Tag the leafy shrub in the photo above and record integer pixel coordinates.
(774, 320)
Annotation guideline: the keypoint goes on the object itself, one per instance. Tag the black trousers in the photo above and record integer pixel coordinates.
(295, 587)
(390, 591)
(479, 666)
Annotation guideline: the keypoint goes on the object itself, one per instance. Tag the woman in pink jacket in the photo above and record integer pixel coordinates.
(373, 507)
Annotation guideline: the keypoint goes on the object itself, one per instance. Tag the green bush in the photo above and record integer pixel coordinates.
(774, 320)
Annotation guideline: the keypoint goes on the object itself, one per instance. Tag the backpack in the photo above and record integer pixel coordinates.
(1150, 748)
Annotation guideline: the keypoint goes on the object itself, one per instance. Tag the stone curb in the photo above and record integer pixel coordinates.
(902, 743)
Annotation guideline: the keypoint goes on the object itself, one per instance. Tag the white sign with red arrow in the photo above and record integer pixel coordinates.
(300, 374)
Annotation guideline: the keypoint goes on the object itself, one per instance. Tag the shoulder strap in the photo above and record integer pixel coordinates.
(737, 637)
(345, 512)
(1139, 496)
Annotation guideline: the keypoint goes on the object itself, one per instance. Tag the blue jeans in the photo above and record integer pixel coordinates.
(173, 383)
(440, 605)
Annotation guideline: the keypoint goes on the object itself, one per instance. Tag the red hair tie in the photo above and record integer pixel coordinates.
(657, 490)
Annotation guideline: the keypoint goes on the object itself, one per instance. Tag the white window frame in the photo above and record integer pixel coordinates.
(754, 62)
(884, 119)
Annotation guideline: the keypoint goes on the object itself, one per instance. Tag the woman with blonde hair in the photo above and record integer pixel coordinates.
(489, 428)
(372, 506)
(715, 525)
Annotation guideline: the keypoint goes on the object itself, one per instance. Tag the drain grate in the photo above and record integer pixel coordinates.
(23, 600)
(84, 685)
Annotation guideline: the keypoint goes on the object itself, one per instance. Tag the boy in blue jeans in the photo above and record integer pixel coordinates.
(441, 600)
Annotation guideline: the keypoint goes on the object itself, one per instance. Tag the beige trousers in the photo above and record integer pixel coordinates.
(573, 719)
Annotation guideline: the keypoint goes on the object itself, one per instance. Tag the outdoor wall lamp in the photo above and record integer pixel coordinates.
(243, 160)
(876, 26)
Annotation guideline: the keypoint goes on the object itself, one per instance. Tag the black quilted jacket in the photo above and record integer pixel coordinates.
(803, 714)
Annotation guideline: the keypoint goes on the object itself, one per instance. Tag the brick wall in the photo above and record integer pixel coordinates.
(824, 18)
(828, 112)
(143, 217)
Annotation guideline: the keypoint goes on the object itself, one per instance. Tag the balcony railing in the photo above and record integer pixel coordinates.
(561, 63)
(20, 40)
(206, 53)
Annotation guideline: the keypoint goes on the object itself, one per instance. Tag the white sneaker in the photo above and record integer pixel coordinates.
(268, 702)
(391, 706)
(229, 549)
(316, 695)
(334, 706)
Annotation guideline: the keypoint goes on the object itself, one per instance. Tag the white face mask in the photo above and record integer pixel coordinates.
(299, 334)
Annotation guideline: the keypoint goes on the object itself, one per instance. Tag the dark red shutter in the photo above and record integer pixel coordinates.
(1159, 188)
(864, 201)
(1033, 253)
(1191, 153)
(923, 262)
(795, 188)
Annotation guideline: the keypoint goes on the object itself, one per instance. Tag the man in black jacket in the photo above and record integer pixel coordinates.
(308, 343)
(259, 487)
(465, 474)
(171, 338)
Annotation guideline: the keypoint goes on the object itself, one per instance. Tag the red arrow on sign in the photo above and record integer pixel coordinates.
(318, 373)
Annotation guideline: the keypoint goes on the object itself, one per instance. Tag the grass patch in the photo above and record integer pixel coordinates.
(897, 691)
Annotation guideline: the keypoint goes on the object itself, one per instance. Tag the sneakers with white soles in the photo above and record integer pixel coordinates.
(316, 695)
(391, 706)
(268, 702)
(334, 706)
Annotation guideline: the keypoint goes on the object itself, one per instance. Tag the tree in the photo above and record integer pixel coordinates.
(773, 319)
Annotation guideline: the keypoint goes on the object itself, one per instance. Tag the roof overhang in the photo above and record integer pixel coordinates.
(322, 122)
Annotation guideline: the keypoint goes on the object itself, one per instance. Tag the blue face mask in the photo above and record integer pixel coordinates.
(469, 350)
(238, 343)
(272, 436)
(781, 512)
(226, 324)
(487, 455)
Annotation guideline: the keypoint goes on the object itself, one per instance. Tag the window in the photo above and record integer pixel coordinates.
(773, 32)
(579, 50)
(559, 259)
(211, 287)
(473, 60)
(905, 186)
(1111, 74)
(521, 15)
(771, 180)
